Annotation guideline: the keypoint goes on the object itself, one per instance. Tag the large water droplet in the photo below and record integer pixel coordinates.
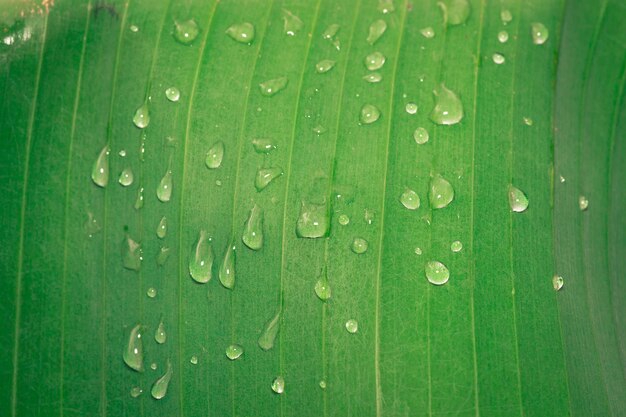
(164, 190)
(162, 228)
(186, 32)
(163, 255)
(503, 36)
(215, 155)
(201, 259)
(517, 199)
(172, 94)
(139, 199)
(428, 32)
(271, 87)
(369, 114)
(410, 200)
(436, 272)
(411, 108)
(322, 287)
(540, 33)
(421, 136)
(263, 146)
(583, 203)
(293, 24)
(193, 360)
(226, 273)
(373, 77)
(141, 119)
(252, 235)
(131, 254)
(159, 388)
(278, 385)
(456, 11)
(151, 292)
(374, 61)
(234, 352)
(324, 65)
(557, 282)
(448, 108)
(241, 32)
(313, 221)
(352, 326)
(100, 170)
(126, 177)
(440, 192)
(359, 245)
(265, 176)
(160, 335)
(270, 331)
(498, 58)
(133, 352)
(377, 29)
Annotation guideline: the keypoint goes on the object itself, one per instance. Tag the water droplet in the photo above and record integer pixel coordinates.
(374, 61)
(252, 235)
(135, 392)
(293, 24)
(428, 32)
(226, 272)
(131, 254)
(134, 28)
(133, 353)
(263, 146)
(561, 179)
(91, 225)
(323, 384)
(322, 287)
(436, 272)
(557, 282)
(215, 155)
(126, 177)
(369, 114)
(271, 87)
(162, 228)
(448, 108)
(368, 216)
(352, 326)
(373, 77)
(151, 292)
(410, 200)
(540, 33)
(163, 255)
(319, 130)
(411, 108)
(278, 385)
(265, 176)
(313, 221)
(193, 360)
(455, 12)
(386, 6)
(164, 190)
(503, 36)
(359, 245)
(122, 153)
(440, 192)
(324, 65)
(186, 32)
(159, 389)
(160, 335)
(456, 246)
(141, 119)
(331, 31)
(172, 94)
(241, 32)
(506, 16)
(418, 250)
(153, 366)
(344, 219)
(583, 203)
(139, 199)
(100, 170)
(498, 58)
(421, 136)
(517, 199)
(270, 331)
(528, 121)
(234, 352)
(201, 259)
(377, 29)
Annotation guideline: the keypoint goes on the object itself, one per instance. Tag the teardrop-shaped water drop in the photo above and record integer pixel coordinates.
(273, 86)
(448, 108)
(163, 255)
(162, 228)
(421, 136)
(141, 119)
(234, 352)
(172, 94)
(270, 331)
(263, 145)
(100, 170)
(319, 130)
(352, 326)
(278, 385)
(133, 351)
(359, 245)
(201, 259)
(373, 77)
(374, 61)
(135, 392)
(428, 32)
(540, 33)
(159, 388)
(252, 235)
(126, 177)
(377, 29)
(440, 192)
(324, 65)
(517, 199)
(131, 254)
(313, 220)
(436, 272)
(139, 199)
(456, 11)
(160, 335)
(226, 272)
(330, 32)
(265, 176)
(369, 114)
(557, 282)
(292, 23)
(91, 225)
(215, 155)
(164, 190)
(386, 6)
(186, 32)
(322, 287)
(241, 32)
(410, 200)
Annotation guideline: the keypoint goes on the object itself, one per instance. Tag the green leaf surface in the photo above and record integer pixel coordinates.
(496, 339)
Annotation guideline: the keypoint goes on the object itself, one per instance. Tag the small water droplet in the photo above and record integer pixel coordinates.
(319, 130)
(151, 292)
(278, 385)
(153, 366)
(159, 389)
(160, 335)
(161, 230)
(252, 235)
(100, 170)
(324, 66)
(126, 177)
(135, 392)
(322, 287)
(344, 219)
(369, 114)
(313, 220)
(418, 250)
(359, 245)
(163, 255)
(263, 146)
(517, 199)
(455, 12)
(373, 77)
(122, 153)
(377, 29)
(131, 254)
(540, 33)
(139, 200)
(323, 384)
(503, 36)
(241, 32)
(293, 24)
(440, 192)
(368, 216)
(186, 32)
(557, 282)
(273, 86)
(134, 28)
(226, 272)
(172, 94)
(352, 326)
(270, 331)
(331, 31)
(374, 61)
(583, 203)
(91, 225)
(498, 58)
(561, 179)
(164, 190)
(436, 272)
(386, 6)
(141, 119)
(133, 352)
(448, 108)
(456, 246)
(428, 32)
(421, 136)
(528, 121)
(265, 176)
(411, 108)
(215, 155)
(193, 360)
(234, 352)
(410, 199)
(506, 16)
(201, 259)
